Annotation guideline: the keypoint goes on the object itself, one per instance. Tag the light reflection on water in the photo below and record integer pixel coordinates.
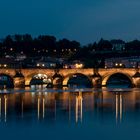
(79, 114)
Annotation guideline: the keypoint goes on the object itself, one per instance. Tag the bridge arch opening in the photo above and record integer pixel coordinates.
(6, 81)
(40, 80)
(78, 80)
(119, 80)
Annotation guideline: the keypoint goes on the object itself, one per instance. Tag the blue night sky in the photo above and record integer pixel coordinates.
(82, 20)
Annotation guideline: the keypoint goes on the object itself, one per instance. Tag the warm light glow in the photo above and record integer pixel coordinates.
(5, 65)
(79, 107)
(66, 67)
(116, 107)
(120, 64)
(79, 65)
(43, 108)
(121, 107)
(5, 107)
(38, 107)
(39, 75)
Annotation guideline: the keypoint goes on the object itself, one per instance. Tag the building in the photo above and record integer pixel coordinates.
(9, 63)
(47, 62)
(76, 64)
(118, 45)
(127, 62)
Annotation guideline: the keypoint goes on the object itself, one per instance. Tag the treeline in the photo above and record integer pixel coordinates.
(45, 45)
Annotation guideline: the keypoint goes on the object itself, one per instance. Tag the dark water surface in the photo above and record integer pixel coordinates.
(92, 114)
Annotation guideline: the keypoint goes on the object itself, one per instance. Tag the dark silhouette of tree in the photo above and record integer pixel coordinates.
(104, 45)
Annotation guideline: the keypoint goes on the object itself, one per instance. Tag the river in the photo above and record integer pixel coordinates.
(106, 113)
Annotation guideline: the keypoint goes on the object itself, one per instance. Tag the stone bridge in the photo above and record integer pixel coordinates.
(98, 77)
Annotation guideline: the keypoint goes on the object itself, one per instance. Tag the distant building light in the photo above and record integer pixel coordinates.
(43, 65)
(65, 66)
(5, 65)
(121, 64)
(52, 64)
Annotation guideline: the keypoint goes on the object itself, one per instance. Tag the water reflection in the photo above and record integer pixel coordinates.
(118, 107)
(65, 107)
(79, 107)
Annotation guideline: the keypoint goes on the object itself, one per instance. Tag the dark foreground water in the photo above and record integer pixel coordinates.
(72, 114)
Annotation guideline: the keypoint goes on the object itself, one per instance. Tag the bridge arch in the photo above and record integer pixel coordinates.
(41, 77)
(108, 76)
(6, 81)
(67, 78)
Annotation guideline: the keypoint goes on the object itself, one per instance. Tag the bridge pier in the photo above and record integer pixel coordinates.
(57, 80)
(19, 80)
(96, 79)
(136, 79)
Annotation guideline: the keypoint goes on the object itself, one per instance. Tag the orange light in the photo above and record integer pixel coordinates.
(78, 65)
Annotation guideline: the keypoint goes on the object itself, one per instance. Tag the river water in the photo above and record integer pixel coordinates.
(70, 114)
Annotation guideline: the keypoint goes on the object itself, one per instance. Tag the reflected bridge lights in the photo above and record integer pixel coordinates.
(119, 107)
(40, 107)
(5, 108)
(79, 107)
